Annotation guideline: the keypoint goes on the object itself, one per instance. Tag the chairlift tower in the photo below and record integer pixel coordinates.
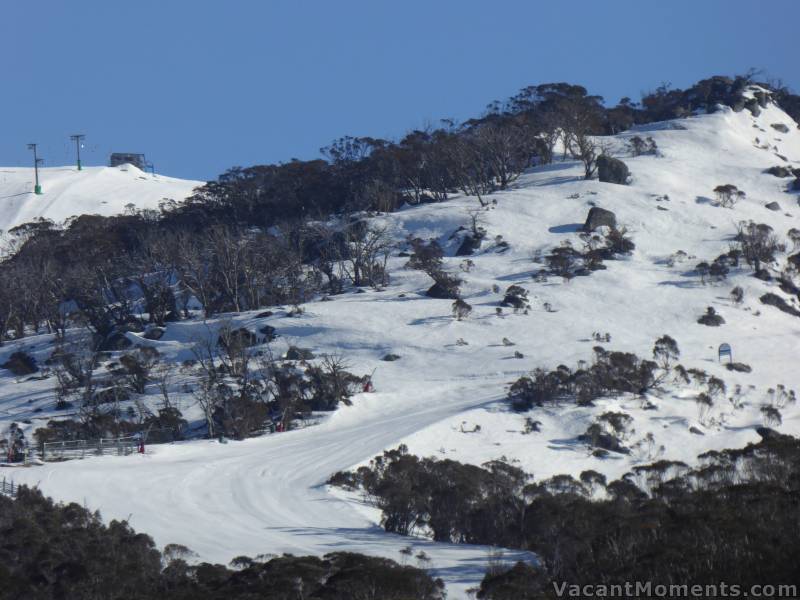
(37, 189)
(77, 139)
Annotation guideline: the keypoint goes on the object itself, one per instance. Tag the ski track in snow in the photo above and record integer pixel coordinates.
(267, 495)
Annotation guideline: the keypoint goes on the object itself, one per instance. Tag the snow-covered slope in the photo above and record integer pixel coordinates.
(94, 190)
(267, 494)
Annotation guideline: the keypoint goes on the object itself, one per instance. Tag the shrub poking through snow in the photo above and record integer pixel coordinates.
(772, 416)
(612, 170)
(427, 257)
(728, 195)
(611, 373)
(666, 352)
(461, 309)
(711, 318)
(794, 236)
(516, 297)
(638, 145)
(532, 426)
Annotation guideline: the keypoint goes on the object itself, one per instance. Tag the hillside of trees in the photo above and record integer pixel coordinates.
(734, 518)
(254, 237)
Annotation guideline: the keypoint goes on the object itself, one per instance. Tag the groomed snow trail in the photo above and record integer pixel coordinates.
(267, 495)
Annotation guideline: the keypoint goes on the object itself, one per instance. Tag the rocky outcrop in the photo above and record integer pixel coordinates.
(612, 170)
(599, 217)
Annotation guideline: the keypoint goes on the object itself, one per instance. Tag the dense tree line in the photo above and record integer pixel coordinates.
(56, 551)
(733, 518)
(242, 390)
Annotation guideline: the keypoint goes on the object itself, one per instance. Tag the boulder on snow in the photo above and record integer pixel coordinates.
(295, 353)
(762, 274)
(771, 299)
(762, 98)
(469, 245)
(154, 333)
(796, 184)
(770, 435)
(269, 332)
(780, 127)
(21, 363)
(599, 217)
(116, 341)
(242, 338)
(773, 206)
(753, 105)
(604, 441)
(612, 170)
(442, 292)
(779, 171)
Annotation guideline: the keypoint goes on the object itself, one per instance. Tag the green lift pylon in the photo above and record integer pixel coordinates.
(37, 189)
(77, 139)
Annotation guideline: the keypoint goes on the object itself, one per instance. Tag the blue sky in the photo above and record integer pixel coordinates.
(200, 86)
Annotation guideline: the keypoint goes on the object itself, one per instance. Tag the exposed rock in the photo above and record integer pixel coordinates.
(154, 333)
(469, 245)
(762, 98)
(779, 171)
(739, 367)
(239, 337)
(295, 353)
(604, 441)
(109, 395)
(357, 228)
(779, 303)
(599, 217)
(269, 332)
(21, 363)
(116, 341)
(763, 275)
(770, 435)
(753, 106)
(391, 357)
(695, 430)
(773, 206)
(780, 127)
(612, 170)
(265, 314)
(441, 292)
